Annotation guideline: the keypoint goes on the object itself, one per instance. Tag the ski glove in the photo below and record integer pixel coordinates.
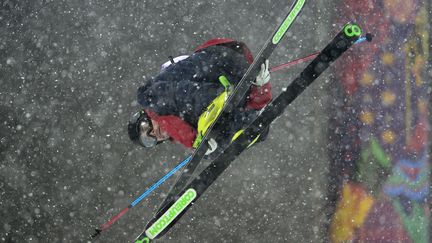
(264, 75)
(212, 146)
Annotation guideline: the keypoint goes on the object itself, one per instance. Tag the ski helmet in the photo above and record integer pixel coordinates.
(139, 129)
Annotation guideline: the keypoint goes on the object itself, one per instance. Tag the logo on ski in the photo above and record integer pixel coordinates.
(171, 213)
(352, 30)
(145, 240)
(288, 21)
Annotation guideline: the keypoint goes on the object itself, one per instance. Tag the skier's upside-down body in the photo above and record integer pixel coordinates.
(174, 101)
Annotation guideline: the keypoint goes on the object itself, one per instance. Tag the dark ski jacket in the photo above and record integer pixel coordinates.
(177, 96)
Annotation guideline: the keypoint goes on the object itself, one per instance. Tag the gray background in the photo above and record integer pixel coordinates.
(69, 71)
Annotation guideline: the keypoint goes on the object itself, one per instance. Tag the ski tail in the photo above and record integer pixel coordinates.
(174, 209)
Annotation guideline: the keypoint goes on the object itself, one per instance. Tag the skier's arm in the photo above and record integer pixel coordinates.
(259, 97)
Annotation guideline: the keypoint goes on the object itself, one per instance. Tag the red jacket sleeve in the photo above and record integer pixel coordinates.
(177, 129)
(259, 96)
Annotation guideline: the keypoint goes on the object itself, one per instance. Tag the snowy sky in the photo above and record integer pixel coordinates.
(69, 71)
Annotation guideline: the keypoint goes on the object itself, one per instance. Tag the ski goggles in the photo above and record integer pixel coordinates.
(145, 138)
(139, 129)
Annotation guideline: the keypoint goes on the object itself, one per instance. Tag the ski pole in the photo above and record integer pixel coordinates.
(294, 62)
(108, 224)
(367, 37)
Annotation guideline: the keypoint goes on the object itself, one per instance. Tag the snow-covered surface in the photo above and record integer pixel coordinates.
(69, 71)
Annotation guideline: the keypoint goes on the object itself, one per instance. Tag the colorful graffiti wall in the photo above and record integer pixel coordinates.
(379, 144)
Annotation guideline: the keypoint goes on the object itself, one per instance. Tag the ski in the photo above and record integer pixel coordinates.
(110, 222)
(174, 209)
(237, 95)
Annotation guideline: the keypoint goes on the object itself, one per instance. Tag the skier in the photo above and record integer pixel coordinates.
(178, 102)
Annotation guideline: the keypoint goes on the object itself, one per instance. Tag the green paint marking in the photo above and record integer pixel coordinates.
(373, 165)
(288, 21)
(379, 154)
(351, 30)
(416, 223)
(175, 210)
